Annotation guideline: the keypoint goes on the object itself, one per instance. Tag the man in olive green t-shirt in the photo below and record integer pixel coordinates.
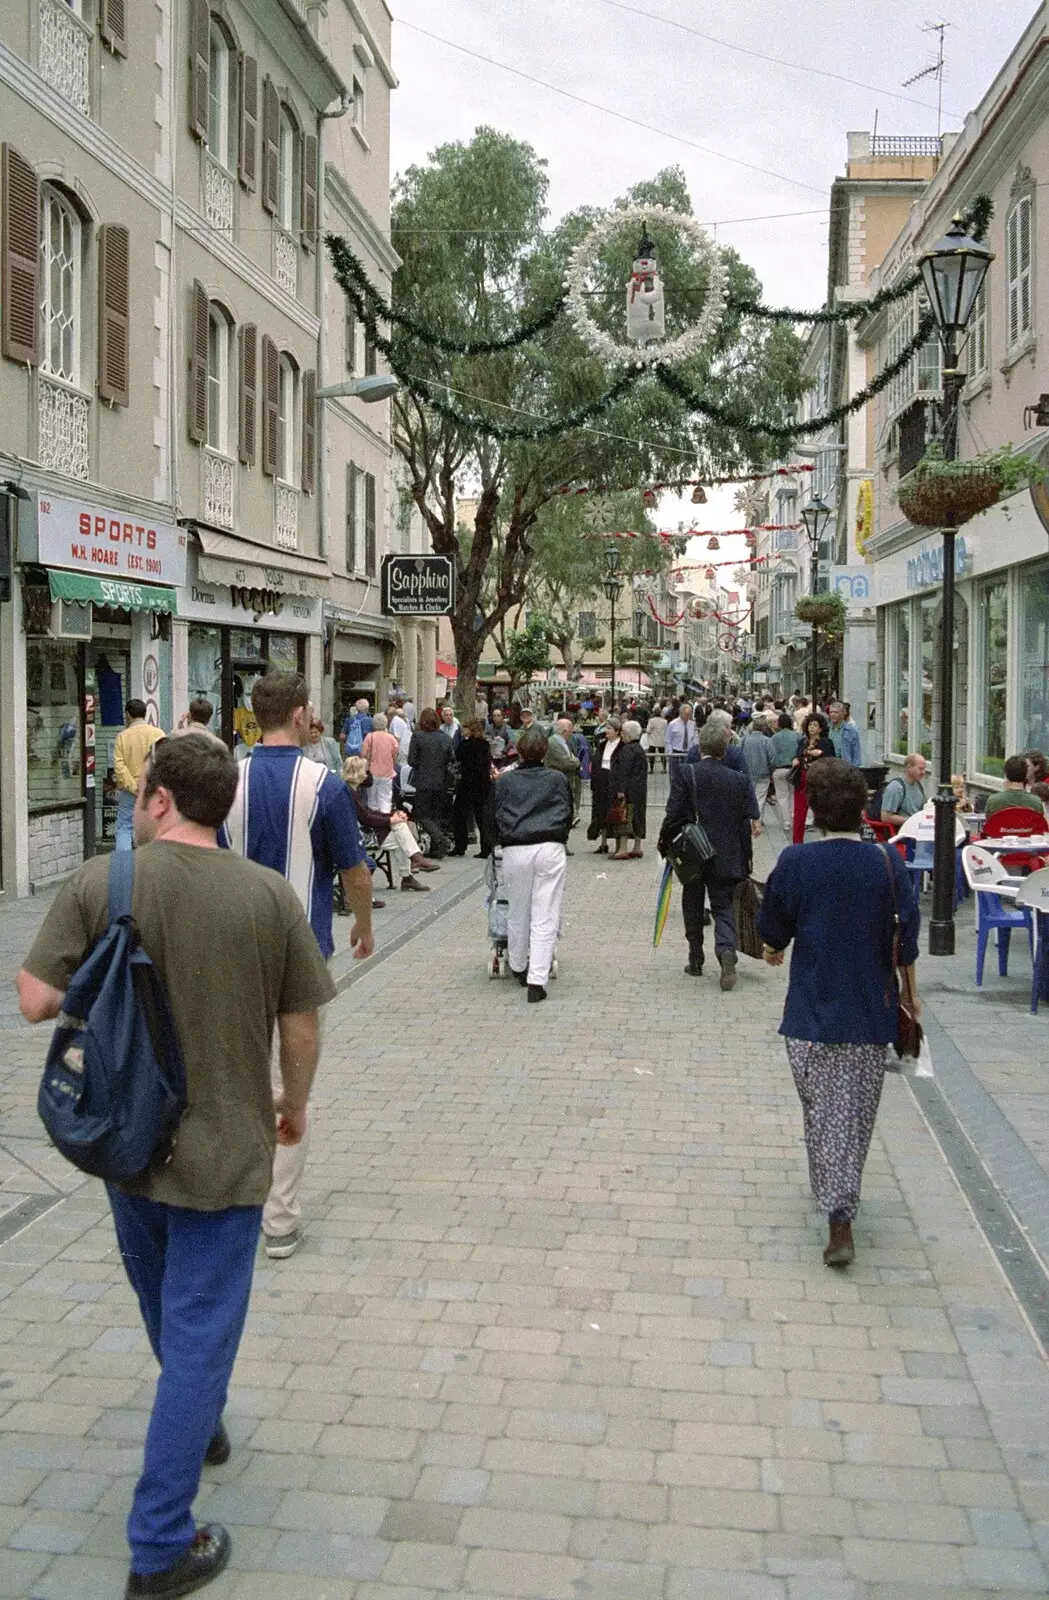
(1015, 795)
(235, 952)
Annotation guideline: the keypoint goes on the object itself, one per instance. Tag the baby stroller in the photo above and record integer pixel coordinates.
(497, 907)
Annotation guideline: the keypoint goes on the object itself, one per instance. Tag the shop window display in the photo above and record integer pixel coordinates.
(901, 687)
(53, 722)
(1034, 657)
(994, 675)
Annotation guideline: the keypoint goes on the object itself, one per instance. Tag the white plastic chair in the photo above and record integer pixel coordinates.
(1034, 893)
(989, 882)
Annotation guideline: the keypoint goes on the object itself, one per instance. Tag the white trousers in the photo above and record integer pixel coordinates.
(534, 875)
(784, 797)
(403, 846)
(280, 1214)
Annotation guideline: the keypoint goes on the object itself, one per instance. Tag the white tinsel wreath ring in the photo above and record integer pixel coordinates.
(669, 350)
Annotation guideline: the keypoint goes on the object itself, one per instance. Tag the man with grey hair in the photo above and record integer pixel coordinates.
(680, 736)
(562, 758)
(723, 801)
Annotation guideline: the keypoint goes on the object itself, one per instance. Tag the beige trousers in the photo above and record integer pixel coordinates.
(281, 1213)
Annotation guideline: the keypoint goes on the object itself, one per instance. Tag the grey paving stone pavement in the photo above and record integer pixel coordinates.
(560, 1326)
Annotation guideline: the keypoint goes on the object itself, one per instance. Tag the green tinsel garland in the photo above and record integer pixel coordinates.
(350, 269)
(726, 417)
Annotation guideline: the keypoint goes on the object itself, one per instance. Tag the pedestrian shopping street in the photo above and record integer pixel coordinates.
(560, 1327)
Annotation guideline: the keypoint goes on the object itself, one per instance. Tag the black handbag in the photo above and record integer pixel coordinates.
(909, 1031)
(690, 849)
(747, 904)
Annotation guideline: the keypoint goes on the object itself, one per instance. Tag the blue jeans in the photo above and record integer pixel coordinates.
(191, 1271)
(125, 807)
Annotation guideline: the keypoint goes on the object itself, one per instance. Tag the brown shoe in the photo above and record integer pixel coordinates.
(424, 864)
(727, 963)
(840, 1251)
(413, 884)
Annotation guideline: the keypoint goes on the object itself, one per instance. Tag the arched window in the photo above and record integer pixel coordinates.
(288, 171)
(287, 399)
(222, 97)
(61, 249)
(220, 387)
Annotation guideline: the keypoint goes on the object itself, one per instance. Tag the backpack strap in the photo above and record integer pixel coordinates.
(121, 879)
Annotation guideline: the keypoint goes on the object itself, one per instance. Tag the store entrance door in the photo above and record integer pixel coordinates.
(107, 677)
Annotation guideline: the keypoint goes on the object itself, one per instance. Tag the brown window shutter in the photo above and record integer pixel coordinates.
(270, 146)
(309, 192)
(197, 401)
(369, 524)
(369, 358)
(249, 120)
(270, 405)
(249, 385)
(351, 517)
(114, 306)
(309, 432)
(351, 340)
(112, 25)
(199, 58)
(20, 259)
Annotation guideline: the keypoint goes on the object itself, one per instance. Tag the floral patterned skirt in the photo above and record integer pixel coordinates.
(839, 1086)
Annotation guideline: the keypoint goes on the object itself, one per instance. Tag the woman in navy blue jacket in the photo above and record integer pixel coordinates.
(835, 898)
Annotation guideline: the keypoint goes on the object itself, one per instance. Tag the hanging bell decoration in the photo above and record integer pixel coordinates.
(750, 539)
(710, 573)
(649, 497)
(645, 319)
(699, 495)
(713, 543)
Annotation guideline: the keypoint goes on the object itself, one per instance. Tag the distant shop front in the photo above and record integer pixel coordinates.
(1001, 641)
(97, 590)
(245, 610)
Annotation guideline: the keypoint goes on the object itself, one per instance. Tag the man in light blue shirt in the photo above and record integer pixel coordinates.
(681, 735)
(844, 735)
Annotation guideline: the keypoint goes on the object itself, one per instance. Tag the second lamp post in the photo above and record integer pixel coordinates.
(815, 516)
(612, 584)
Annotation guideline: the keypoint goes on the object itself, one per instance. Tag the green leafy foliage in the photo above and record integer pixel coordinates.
(477, 264)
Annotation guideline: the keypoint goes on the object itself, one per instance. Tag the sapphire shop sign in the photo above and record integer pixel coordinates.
(926, 568)
(418, 586)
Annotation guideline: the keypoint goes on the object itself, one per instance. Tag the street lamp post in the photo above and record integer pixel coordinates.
(612, 583)
(953, 271)
(639, 623)
(815, 516)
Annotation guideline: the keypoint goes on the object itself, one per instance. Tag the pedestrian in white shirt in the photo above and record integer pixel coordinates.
(681, 735)
(400, 728)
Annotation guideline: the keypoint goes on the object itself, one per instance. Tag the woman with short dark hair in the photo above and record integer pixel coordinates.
(837, 900)
(814, 743)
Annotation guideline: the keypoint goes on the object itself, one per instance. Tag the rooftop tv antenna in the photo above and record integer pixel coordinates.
(933, 70)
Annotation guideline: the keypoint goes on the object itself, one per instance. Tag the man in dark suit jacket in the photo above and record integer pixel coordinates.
(725, 803)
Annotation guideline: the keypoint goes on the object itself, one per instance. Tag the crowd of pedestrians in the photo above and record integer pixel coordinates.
(243, 863)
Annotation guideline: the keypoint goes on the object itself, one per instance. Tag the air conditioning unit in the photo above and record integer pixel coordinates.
(70, 619)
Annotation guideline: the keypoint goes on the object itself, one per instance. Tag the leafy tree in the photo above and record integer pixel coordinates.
(477, 263)
(528, 651)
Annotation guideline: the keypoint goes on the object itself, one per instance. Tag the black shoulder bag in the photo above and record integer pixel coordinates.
(690, 848)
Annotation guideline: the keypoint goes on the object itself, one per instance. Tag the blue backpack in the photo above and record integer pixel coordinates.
(354, 738)
(114, 1086)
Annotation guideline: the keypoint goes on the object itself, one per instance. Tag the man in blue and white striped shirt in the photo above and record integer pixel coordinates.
(297, 817)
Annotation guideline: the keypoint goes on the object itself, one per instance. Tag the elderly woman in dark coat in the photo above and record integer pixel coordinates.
(628, 789)
(431, 758)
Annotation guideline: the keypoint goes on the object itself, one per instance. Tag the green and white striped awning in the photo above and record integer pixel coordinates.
(119, 592)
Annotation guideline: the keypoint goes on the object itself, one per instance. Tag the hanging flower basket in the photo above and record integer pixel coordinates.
(823, 611)
(947, 494)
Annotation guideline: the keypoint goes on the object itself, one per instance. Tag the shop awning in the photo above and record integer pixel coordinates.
(446, 670)
(225, 559)
(118, 592)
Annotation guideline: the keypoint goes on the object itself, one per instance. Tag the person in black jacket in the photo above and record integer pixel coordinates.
(471, 797)
(724, 802)
(431, 758)
(628, 786)
(532, 811)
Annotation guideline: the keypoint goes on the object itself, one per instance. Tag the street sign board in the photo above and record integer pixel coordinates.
(418, 586)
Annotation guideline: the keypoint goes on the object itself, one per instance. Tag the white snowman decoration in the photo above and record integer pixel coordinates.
(645, 319)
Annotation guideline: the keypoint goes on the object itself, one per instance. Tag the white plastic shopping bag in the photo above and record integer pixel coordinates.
(919, 1066)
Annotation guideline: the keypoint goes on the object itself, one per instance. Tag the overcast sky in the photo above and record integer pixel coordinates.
(760, 113)
(790, 122)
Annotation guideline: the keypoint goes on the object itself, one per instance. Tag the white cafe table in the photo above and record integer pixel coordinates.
(1034, 844)
(922, 827)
